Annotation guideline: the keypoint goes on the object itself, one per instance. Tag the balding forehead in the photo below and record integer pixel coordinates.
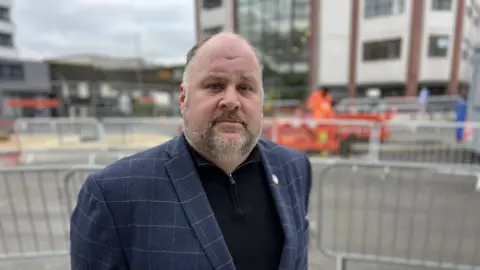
(227, 45)
(231, 44)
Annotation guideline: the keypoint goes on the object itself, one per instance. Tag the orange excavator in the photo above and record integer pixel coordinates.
(321, 129)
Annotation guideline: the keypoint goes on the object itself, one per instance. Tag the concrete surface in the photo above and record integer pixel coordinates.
(362, 212)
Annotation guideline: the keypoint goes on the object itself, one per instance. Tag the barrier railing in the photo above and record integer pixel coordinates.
(405, 108)
(135, 133)
(436, 143)
(56, 133)
(34, 210)
(409, 215)
(429, 142)
(66, 157)
(386, 212)
(379, 103)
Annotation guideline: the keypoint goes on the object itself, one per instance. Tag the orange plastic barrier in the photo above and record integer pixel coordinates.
(303, 137)
(32, 103)
(319, 137)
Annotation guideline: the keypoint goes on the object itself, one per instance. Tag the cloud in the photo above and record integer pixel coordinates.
(158, 30)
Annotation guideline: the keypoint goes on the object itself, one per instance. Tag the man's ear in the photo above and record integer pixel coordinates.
(182, 97)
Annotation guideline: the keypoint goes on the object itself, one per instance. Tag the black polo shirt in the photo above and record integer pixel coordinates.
(245, 211)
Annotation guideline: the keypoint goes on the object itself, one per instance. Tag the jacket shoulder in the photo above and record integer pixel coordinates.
(283, 153)
(138, 163)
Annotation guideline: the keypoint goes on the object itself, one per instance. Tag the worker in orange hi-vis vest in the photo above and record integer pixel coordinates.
(327, 104)
(319, 102)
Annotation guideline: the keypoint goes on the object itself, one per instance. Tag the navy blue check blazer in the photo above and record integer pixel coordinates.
(150, 211)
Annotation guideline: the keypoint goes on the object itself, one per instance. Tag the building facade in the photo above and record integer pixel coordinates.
(279, 29)
(22, 80)
(95, 85)
(7, 31)
(396, 46)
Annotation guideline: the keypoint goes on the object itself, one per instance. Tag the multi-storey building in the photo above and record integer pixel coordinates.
(94, 84)
(279, 29)
(19, 79)
(7, 31)
(349, 46)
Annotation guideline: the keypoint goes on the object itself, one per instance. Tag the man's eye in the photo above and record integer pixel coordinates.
(244, 88)
(214, 86)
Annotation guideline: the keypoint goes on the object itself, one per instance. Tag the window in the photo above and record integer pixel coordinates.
(6, 40)
(475, 14)
(4, 14)
(382, 50)
(377, 8)
(438, 46)
(11, 72)
(466, 49)
(212, 31)
(208, 4)
(441, 5)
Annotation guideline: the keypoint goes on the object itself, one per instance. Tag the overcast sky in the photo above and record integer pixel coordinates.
(48, 28)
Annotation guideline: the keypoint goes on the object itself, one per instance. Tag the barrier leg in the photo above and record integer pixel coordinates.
(341, 263)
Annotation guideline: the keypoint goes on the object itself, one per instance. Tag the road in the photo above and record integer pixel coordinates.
(386, 228)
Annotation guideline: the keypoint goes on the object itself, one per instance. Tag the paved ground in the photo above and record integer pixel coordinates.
(363, 212)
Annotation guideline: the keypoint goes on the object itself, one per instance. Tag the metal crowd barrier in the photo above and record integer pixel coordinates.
(426, 142)
(429, 143)
(90, 157)
(131, 133)
(411, 215)
(35, 205)
(53, 133)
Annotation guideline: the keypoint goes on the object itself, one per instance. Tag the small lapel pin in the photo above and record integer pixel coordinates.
(275, 179)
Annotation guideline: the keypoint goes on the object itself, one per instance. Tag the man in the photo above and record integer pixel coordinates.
(461, 115)
(216, 197)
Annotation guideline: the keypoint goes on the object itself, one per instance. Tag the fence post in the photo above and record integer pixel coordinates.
(374, 143)
(340, 263)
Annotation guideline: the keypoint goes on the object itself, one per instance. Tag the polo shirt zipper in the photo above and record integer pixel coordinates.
(237, 207)
(234, 193)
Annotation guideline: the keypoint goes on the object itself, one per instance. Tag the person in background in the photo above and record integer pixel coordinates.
(215, 197)
(328, 98)
(461, 114)
(320, 104)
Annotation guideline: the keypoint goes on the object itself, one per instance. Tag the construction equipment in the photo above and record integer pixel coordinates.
(322, 130)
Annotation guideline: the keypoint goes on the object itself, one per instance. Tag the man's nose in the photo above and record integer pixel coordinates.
(230, 100)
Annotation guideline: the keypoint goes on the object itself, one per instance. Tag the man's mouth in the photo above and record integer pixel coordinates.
(229, 121)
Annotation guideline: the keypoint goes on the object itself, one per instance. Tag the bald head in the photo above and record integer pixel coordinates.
(226, 41)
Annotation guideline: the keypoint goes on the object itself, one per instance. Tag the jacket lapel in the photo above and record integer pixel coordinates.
(195, 203)
(279, 188)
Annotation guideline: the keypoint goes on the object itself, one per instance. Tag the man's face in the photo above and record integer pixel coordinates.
(222, 102)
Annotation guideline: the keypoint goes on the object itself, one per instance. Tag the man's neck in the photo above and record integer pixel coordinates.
(228, 165)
